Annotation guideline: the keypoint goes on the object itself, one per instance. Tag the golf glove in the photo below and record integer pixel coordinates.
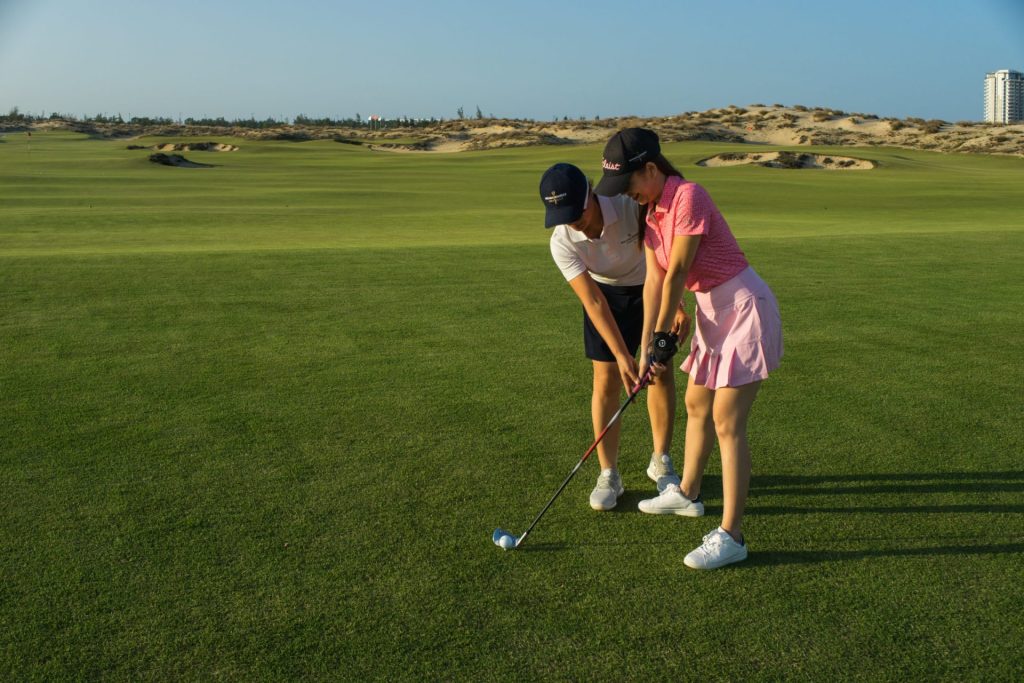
(663, 347)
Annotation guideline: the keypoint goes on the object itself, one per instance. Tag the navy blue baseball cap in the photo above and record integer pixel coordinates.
(564, 190)
(627, 151)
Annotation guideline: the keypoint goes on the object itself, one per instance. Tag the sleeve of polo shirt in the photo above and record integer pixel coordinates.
(567, 259)
(693, 211)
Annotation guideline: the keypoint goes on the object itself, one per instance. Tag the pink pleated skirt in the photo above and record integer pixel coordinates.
(737, 335)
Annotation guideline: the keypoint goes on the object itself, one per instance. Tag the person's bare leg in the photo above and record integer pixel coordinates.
(603, 404)
(731, 409)
(661, 407)
(700, 437)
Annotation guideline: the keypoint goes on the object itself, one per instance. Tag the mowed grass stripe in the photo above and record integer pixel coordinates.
(327, 195)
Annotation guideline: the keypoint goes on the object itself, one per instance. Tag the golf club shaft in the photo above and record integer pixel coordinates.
(629, 399)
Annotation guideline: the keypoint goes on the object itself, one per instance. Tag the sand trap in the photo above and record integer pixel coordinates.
(427, 147)
(176, 160)
(189, 147)
(788, 160)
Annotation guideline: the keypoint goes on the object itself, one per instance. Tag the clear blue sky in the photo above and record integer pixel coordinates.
(523, 59)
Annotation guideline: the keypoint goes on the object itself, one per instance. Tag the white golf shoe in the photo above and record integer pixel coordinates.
(609, 487)
(671, 501)
(717, 550)
(661, 472)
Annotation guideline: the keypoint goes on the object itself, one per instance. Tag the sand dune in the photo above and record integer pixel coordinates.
(756, 124)
(761, 125)
(788, 160)
(194, 147)
(188, 147)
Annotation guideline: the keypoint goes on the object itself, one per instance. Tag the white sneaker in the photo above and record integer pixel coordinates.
(606, 494)
(661, 472)
(717, 550)
(671, 501)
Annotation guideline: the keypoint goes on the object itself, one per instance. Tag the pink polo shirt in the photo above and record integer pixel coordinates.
(685, 208)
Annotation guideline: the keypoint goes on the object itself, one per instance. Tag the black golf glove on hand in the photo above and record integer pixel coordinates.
(663, 347)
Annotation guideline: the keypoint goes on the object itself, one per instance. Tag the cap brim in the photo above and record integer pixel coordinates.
(613, 185)
(560, 215)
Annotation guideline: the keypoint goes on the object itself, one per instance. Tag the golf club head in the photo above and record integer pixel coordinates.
(504, 539)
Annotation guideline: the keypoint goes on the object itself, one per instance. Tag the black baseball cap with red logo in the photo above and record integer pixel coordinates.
(627, 151)
(564, 189)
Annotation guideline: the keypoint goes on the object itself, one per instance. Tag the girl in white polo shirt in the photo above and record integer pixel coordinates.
(595, 243)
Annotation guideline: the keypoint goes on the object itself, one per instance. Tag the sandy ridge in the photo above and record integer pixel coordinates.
(188, 147)
(756, 124)
(829, 162)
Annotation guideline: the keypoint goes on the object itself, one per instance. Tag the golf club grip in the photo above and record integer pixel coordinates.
(629, 399)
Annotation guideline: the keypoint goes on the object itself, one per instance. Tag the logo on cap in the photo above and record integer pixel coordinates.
(554, 197)
(610, 165)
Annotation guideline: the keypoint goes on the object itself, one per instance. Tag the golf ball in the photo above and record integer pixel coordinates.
(507, 542)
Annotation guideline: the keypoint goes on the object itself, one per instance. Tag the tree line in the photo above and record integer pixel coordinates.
(15, 116)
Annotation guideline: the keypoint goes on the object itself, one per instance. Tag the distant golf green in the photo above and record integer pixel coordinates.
(258, 422)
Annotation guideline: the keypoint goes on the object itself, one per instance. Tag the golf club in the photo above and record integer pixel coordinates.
(504, 539)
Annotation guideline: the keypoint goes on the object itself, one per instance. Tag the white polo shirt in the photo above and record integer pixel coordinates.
(613, 258)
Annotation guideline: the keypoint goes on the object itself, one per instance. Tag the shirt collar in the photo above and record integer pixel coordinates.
(668, 193)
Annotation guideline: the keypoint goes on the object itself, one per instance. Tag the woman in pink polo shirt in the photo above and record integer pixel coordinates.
(737, 337)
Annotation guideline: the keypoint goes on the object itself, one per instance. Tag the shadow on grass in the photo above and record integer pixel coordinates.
(874, 484)
(895, 483)
(629, 500)
(789, 479)
(757, 559)
(823, 485)
(878, 489)
(880, 509)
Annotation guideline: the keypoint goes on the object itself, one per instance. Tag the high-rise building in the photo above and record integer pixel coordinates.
(1004, 96)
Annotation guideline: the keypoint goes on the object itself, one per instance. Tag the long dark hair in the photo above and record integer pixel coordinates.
(666, 167)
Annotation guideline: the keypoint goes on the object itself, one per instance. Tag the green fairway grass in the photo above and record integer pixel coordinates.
(258, 422)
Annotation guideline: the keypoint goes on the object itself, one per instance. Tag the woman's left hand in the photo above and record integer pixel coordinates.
(647, 363)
